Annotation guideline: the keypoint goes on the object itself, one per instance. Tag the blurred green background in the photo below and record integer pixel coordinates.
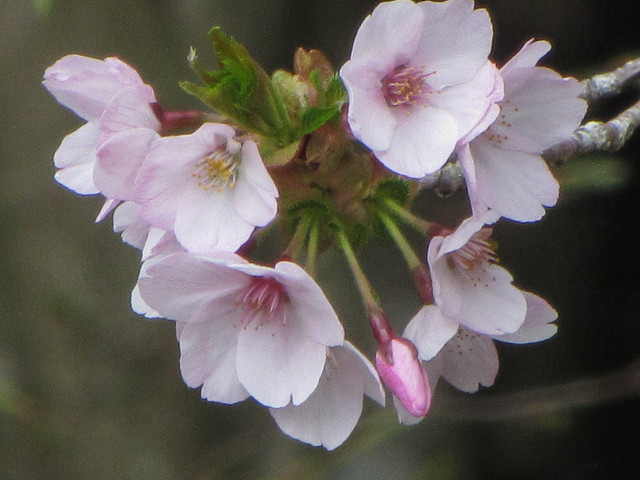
(89, 390)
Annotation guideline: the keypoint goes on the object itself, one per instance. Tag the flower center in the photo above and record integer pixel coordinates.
(218, 170)
(264, 299)
(475, 252)
(406, 86)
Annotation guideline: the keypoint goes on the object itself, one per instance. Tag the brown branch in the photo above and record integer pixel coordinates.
(596, 136)
(610, 83)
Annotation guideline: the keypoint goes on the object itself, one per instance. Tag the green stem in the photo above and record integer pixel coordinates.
(369, 296)
(407, 217)
(299, 237)
(407, 252)
(377, 319)
(312, 247)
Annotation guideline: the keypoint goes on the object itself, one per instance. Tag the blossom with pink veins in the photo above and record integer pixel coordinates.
(207, 188)
(87, 86)
(469, 288)
(503, 167)
(244, 329)
(419, 82)
(332, 411)
(469, 359)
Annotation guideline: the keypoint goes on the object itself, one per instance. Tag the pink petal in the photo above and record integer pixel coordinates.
(470, 360)
(370, 118)
(120, 159)
(429, 330)
(422, 141)
(309, 305)
(528, 56)
(255, 195)
(515, 185)
(389, 36)
(332, 411)
(537, 324)
(208, 358)
(178, 285)
(76, 157)
(455, 42)
(277, 363)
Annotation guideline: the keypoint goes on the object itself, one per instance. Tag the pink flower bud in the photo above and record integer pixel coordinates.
(400, 369)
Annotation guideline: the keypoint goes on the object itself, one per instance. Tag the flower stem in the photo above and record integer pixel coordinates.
(312, 247)
(299, 237)
(407, 252)
(377, 319)
(407, 217)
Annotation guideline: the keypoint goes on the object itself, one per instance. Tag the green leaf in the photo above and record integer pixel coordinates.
(314, 117)
(396, 189)
(242, 91)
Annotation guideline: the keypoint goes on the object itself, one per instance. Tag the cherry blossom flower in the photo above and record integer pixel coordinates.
(245, 329)
(419, 81)
(469, 288)
(207, 188)
(470, 359)
(503, 167)
(87, 86)
(332, 411)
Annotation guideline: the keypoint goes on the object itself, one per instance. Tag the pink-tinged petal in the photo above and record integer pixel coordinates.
(206, 220)
(440, 246)
(76, 158)
(469, 360)
(127, 221)
(468, 168)
(528, 56)
(370, 118)
(129, 108)
(422, 143)
(139, 306)
(163, 178)
(108, 206)
(389, 36)
(402, 372)
(483, 298)
(473, 104)
(277, 363)
(537, 324)
(255, 195)
(86, 85)
(332, 411)
(516, 185)
(429, 330)
(178, 285)
(120, 159)
(208, 358)
(540, 109)
(455, 42)
(309, 305)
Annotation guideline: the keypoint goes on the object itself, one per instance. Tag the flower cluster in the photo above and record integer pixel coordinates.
(197, 192)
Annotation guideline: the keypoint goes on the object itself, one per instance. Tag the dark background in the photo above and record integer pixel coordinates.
(89, 390)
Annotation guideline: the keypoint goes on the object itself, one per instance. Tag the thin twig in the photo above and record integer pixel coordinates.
(596, 136)
(610, 83)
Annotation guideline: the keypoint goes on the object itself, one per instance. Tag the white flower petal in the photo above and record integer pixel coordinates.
(469, 360)
(332, 411)
(537, 324)
(208, 358)
(429, 330)
(277, 363)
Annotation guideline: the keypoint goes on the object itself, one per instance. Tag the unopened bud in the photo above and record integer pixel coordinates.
(402, 372)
